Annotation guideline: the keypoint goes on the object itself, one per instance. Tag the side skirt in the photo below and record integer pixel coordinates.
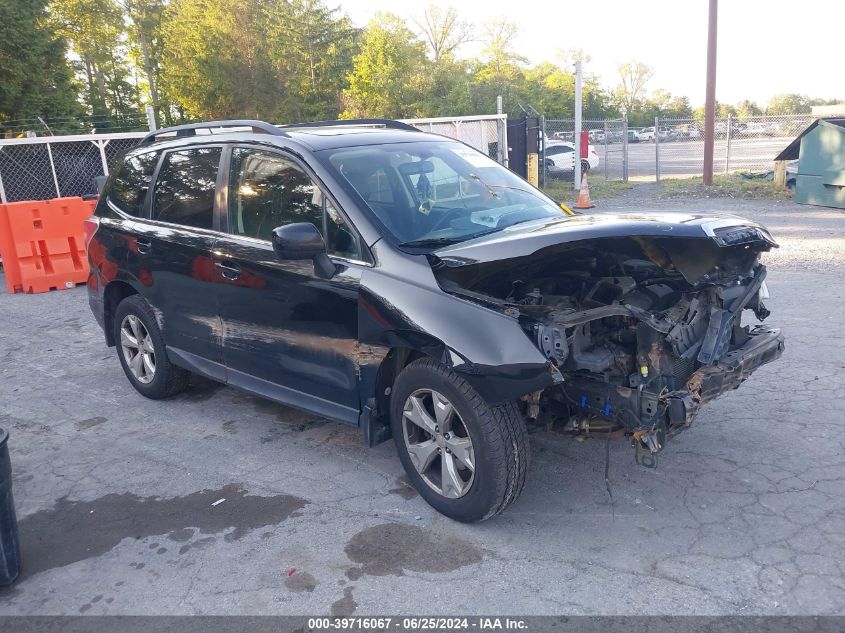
(264, 388)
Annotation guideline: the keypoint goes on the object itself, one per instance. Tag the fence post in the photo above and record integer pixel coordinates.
(728, 143)
(625, 147)
(657, 149)
(606, 174)
(151, 118)
(543, 151)
(53, 170)
(2, 190)
(101, 145)
(503, 140)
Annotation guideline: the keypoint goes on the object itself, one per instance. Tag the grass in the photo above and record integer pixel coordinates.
(724, 186)
(561, 189)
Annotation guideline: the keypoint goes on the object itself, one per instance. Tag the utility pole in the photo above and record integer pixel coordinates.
(710, 97)
(577, 174)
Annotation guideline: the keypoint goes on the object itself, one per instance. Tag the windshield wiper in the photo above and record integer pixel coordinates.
(433, 241)
(447, 241)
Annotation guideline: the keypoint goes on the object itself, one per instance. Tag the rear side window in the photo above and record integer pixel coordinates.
(130, 185)
(184, 192)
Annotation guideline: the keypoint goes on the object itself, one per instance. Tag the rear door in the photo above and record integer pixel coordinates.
(289, 334)
(171, 257)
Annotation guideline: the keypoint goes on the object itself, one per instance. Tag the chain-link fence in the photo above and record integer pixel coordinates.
(605, 156)
(740, 144)
(671, 148)
(58, 166)
(486, 133)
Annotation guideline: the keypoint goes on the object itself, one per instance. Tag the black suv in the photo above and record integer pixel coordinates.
(408, 284)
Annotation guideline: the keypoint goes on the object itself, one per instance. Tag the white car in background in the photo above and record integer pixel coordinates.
(647, 134)
(560, 158)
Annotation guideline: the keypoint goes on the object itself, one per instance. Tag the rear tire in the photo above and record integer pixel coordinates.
(497, 438)
(140, 348)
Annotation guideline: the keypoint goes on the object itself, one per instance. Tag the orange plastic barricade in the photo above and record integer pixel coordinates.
(41, 243)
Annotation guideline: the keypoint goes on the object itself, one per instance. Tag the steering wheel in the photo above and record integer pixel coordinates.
(447, 216)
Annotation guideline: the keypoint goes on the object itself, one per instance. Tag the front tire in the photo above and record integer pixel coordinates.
(140, 348)
(468, 460)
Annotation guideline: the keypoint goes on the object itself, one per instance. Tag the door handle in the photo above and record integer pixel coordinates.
(229, 271)
(143, 244)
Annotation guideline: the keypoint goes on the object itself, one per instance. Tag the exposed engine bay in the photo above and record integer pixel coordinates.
(644, 330)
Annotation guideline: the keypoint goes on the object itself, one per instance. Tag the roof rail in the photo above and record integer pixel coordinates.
(191, 129)
(388, 123)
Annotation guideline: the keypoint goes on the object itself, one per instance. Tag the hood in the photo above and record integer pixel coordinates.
(529, 237)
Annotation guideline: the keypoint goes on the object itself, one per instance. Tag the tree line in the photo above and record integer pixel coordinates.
(99, 63)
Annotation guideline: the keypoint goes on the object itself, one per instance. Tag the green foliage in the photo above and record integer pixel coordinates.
(389, 75)
(215, 60)
(296, 60)
(629, 94)
(35, 76)
(311, 48)
(95, 29)
(788, 104)
(145, 49)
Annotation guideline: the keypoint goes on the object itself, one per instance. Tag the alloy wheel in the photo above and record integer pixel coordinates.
(438, 443)
(137, 348)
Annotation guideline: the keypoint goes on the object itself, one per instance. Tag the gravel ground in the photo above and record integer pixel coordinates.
(116, 494)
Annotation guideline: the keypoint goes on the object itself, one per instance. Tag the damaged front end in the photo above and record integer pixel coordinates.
(644, 329)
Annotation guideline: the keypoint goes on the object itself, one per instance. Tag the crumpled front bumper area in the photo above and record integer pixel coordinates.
(651, 418)
(764, 345)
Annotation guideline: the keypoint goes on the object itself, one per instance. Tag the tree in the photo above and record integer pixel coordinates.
(569, 56)
(389, 76)
(746, 108)
(498, 36)
(95, 30)
(549, 89)
(35, 77)
(634, 77)
(215, 60)
(788, 104)
(443, 31)
(313, 48)
(144, 32)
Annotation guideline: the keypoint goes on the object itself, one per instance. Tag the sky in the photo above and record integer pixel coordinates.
(764, 47)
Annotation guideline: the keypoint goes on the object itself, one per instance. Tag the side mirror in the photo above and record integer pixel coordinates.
(301, 240)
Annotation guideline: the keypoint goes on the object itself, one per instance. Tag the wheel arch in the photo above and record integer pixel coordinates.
(115, 292)
(375, 418)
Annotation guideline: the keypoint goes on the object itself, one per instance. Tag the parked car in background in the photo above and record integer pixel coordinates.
(597, 136)
(647, 134)
(720, 129)
(760, 128)
(633, 136)
(560, 158)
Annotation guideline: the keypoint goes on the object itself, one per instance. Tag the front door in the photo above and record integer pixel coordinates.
(288, 333)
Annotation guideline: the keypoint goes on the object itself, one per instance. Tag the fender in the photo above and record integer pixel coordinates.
(489, 349)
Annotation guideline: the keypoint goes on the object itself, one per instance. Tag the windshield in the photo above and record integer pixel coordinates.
(433, 193)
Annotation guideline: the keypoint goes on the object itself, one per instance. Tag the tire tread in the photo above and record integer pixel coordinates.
(505, 437)
(176, 379)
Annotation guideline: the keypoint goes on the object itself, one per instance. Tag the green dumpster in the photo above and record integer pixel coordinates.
(820, 150)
